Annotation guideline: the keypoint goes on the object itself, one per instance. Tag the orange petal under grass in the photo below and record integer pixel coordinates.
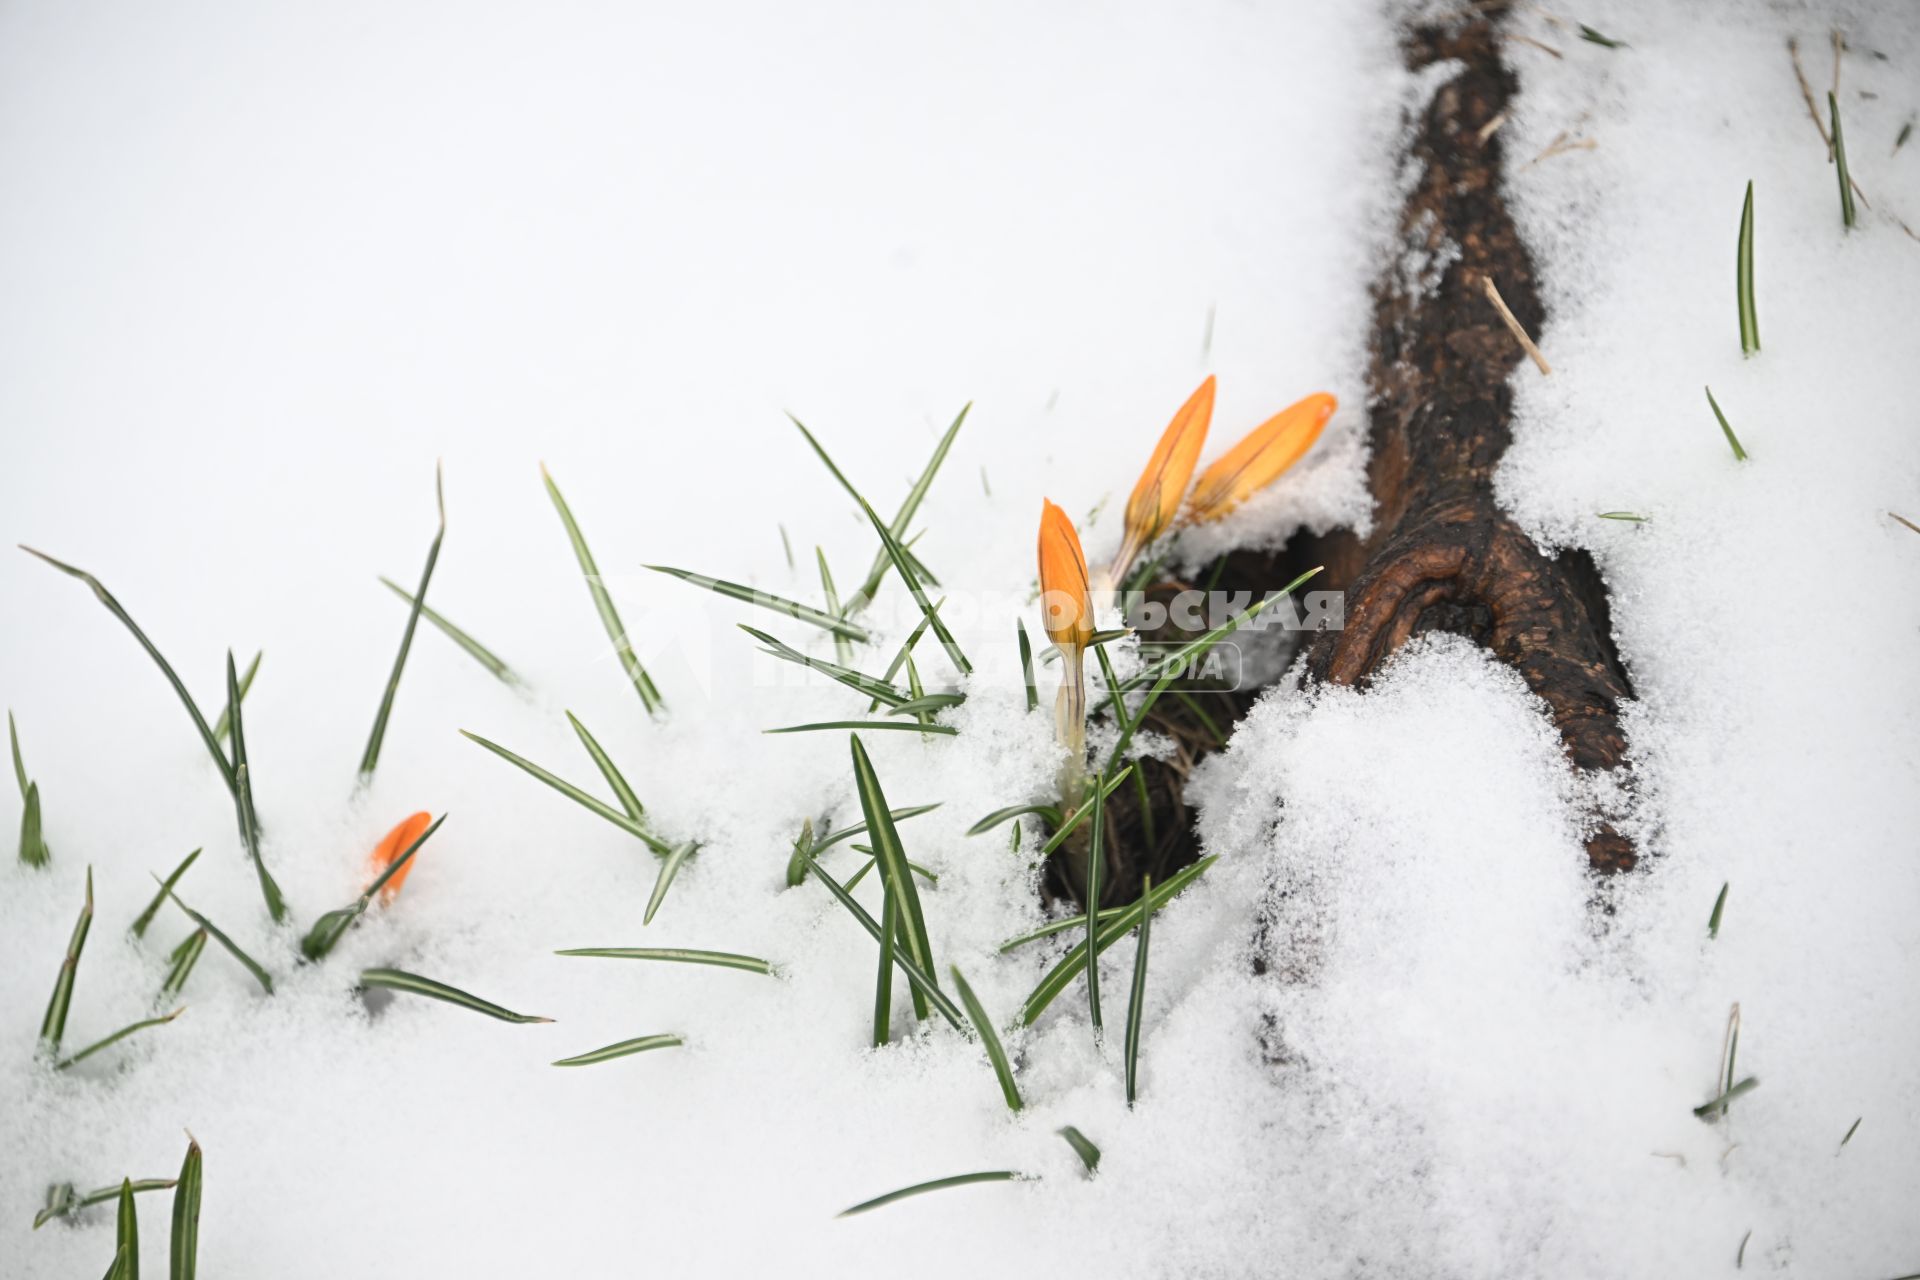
(1157, 494)
(1260, 459)
(1067, 602)
(395, 843)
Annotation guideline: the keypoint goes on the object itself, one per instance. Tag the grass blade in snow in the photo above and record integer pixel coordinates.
(767, 600)
(477, 651)
(1081, 814)
(1026, 664)
(1847, 216)
(625, 1048)
(251, 965)
(117, 1036)
(912, 580)
(54, 1024)
(996, 1053)
(1719, 905)
(33, 845)
(183, 1246)
(615, 779)
(1050, 812)
(938, 1184)
(668, 870)
(883, 981)
(371, 756)
(681, 955)
(62, 1202)
(331, 927)
(860, 682)
(922, 983)
(246, 683)
(842, 647)
(576, 795)
(939, 730)
(1739, 454)
(892, 858)
(1082, 1147)
(1096, 855)
(139, 928)
(806, 846)
(414, 984)
(603, 602)
(908, 509)
(1136, 1002)
(1718, 1107)
(1743, 280)
(1060, 926)
(181, 962)
(1071, 965)
(243, 799)
(127, 1234)
(905, 654)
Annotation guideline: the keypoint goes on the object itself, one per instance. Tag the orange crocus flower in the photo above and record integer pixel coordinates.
(1068, 603)
(1261, 458)
(395, 843)
(1157, 494)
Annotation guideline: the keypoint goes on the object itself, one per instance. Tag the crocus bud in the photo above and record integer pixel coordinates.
(395, 843)
(1261, 458)
(1156, 496)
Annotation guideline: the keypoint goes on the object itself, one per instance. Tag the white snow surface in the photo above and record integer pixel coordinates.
(262, 267)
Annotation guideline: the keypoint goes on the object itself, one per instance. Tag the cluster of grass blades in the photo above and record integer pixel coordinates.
(183, 1241)
(33, 845)
(53, 1024)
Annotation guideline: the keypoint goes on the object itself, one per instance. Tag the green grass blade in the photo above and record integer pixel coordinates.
(905, 654)
(1026, 664)
(1719, 905)
(910, 507)
(945, 730)
(883, 981)
(1591, 36)
(1631, 516)
(68, 1203)
(767, 600)
(668, 870)
(1137, 1001)
(414, 984)
(331, 927)
(1848, 1135)
(918, 977)
(615, 779)
(786, 545)
(1847, 216)
(181, 962)
(33, 844)
(623, 1049)
(576, 795)
(880, 690)
(1096, 858)
(908, 576)
(1115, 699)
(1081, 814)
(54, 1024)
(996, 1052)
(127, 1234)
(1714, 1109)
(183, 1246)
(246, 683)
(113, 606)
(477, 651)
(19, 766)
(1082, 1147)
(677, 955)
(139, 927)
(929, 704)
(117, 1036)
(603, 602)
(243, 798)
(859, 828)
(1071, 965)
(1061, 926)
(854, 880)
(842, 647)
(251, 965)
(1743, 280)
(938, 1184)
(1739, 454)
(797, 860)
(371, 756)
(892, 857)
(1050, 812)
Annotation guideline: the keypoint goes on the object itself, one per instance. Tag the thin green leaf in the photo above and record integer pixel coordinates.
(1061, 926)
(1848, 1136)
(928, 704)
(668, 870)
(918, 977)
(1591, 36)
(414, 984)
(860, 682)
(767, 600)
(786, 545)
(919, 1188)
(1096, 858)
(622, 1049)
(678, 955)
(183, 1246)
(901, 658)
(1199, 713)
(251, 965)
(1080, 815)
(477, 651)
(19, 766)
(892, 858)
(246, 683)
(576, 795)
(989, 1037)
(883, 981)
(54, 1024)
(1743, 280)
(33, 845)
(181, 962)
(371, 756)
(927, 610)
(1050, 812)
(1739, 454)
(608, 770)
(127, 1234)
(1026, 663)
(243, 798)
(1712, 1110)
(1719, 905)
(797, 860)
(1071, 965)
(1632, 516)
(331, 927)
(912, 727)
(1082, 1146)
(909, 508)
(603, 602)
(117, 1036)
(854, 880)
(62, 1202)
(139, 928)
(1900, 140)
(1847, 216)
(1137, 1000)
(842, 647)
(859, 828)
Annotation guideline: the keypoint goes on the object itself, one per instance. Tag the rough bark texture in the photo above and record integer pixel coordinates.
(1443, 556)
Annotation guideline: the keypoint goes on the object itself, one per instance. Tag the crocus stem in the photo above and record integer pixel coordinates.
(1070, 724)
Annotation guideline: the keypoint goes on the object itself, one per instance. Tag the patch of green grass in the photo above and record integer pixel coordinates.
(247, 962)
(1075, 961)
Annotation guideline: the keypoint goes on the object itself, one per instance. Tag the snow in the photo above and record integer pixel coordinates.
(263, 267)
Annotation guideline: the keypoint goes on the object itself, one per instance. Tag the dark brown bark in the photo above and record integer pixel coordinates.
(1442, 555)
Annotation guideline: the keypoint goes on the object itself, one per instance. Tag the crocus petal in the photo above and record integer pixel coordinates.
(1065, 597)
(1157, 494)
(1261, 458)
(395, 843)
